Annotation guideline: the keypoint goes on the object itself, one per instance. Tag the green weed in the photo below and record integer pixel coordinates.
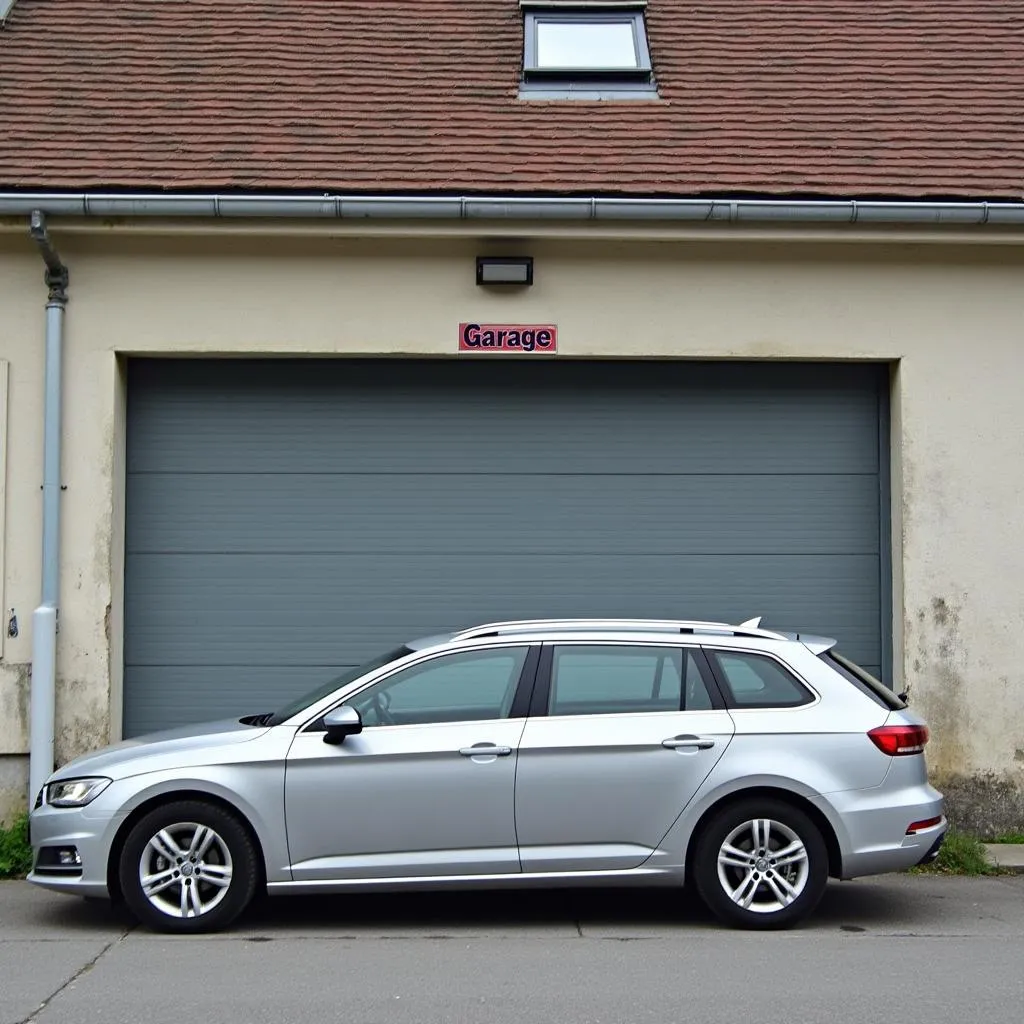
(15, 853)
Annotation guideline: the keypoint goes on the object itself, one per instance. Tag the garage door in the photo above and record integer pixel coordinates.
(288, 519)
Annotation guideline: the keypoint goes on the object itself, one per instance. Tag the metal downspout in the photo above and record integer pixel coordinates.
(44, 618)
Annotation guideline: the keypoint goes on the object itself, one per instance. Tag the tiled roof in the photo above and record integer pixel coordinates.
(816, 97)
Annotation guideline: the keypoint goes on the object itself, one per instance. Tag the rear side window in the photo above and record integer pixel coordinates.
(598, 680)
(756, 681)
(864, 681)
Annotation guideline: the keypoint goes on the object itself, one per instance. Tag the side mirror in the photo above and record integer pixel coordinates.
(342, 722)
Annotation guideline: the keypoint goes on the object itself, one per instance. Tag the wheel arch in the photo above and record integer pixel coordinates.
(172, 797)
(801, 803)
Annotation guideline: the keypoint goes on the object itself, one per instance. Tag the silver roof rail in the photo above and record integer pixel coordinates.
(749, 628)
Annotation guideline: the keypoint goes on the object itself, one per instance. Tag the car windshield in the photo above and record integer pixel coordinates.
(326, 689)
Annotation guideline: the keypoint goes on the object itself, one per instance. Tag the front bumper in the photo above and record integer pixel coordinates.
(89, 831)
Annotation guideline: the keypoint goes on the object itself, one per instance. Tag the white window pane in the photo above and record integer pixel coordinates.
(575, 44)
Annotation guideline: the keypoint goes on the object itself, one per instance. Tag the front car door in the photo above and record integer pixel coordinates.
(427, 788)
(620, 738)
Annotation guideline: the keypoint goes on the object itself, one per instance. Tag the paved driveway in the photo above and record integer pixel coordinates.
(895, 948)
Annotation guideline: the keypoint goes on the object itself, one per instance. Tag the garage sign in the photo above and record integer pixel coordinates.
(535, 339)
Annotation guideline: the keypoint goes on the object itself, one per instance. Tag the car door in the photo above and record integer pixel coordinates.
(427, 788)
(620, 738)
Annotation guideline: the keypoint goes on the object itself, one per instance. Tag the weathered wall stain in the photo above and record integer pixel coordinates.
(82, 719)
(983, 802)
(939, 688)
(14, 703)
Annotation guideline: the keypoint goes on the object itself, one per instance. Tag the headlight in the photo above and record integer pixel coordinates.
(74, 792)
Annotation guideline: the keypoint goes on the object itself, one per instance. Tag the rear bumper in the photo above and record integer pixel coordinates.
(876, 823)
(933, 852)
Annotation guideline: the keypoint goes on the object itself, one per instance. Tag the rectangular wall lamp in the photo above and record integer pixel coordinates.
(504, 270)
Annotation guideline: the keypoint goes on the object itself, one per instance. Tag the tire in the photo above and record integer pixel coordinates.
(202, 866)
(745, 888)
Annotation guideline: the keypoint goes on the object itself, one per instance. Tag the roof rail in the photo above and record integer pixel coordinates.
(749, 628)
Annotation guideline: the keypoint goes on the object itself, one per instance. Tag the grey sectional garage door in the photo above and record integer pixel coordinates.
(286, 519)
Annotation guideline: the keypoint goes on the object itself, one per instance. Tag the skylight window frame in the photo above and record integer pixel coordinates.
(597, 14)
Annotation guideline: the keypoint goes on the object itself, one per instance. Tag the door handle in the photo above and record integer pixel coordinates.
(485, 750)
(690, 742)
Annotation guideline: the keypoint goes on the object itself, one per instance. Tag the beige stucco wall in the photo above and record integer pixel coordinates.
(950, 317)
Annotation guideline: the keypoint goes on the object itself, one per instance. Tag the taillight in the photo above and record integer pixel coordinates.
(897, 740)
(920, 826)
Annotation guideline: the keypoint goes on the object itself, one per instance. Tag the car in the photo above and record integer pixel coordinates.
(749, 763)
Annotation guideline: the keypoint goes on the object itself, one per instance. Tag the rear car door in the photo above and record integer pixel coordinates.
(620, 737)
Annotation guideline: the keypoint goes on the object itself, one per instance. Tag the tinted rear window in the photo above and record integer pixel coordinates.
(864, 681)
(757, 681)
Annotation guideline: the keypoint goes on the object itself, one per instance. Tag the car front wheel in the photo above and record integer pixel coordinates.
(188, 866)
(761, 864)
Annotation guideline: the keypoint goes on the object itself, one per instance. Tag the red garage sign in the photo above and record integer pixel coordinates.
(531, 338)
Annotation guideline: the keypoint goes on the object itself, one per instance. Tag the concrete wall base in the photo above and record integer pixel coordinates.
(985, 804)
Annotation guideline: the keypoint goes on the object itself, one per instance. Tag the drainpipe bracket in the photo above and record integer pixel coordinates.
(57, 283)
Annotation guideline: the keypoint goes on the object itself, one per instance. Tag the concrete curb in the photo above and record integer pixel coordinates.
(1006, 856)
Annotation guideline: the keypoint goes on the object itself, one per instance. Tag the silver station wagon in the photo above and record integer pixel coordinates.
(751, 763)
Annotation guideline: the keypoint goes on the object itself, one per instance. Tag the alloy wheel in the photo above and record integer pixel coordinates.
(185, 870)
(763, 866)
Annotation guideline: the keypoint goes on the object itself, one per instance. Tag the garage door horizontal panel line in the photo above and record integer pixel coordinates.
(335, 667)
(559, 557)
(502, 474)
(648, 551)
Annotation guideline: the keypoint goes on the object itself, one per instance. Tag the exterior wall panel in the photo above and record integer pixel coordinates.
(948, 316)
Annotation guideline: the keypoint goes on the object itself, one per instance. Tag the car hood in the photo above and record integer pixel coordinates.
(181, 747)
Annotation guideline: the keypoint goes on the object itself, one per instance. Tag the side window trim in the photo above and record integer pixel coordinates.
(524, 686)
(542, 686)
(722, 683)
(715, 692)
(538, 707)
(527, 684)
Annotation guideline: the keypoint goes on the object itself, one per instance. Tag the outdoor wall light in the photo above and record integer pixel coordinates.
(504, 270)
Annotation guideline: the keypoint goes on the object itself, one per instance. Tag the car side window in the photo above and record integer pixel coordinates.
(757, 681)
(609, 680)
(465, 687)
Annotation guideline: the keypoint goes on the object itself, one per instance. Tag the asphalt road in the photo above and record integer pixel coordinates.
(896, 948)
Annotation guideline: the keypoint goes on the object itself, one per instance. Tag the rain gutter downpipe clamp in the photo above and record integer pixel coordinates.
(42, 712)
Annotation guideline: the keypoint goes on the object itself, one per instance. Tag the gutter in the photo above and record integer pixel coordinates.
(42, 704)
(513, 208)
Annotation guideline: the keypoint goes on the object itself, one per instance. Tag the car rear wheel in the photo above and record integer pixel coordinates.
(188, 867)
(761, 864)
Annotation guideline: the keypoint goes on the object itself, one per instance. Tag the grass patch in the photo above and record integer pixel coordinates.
(961, 854)
(15, 853)
(1008, 837)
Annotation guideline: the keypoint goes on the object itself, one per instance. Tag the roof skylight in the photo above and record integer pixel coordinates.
(586, 50)
(587, 43)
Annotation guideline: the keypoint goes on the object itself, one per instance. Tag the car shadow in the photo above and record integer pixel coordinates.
(846, 906)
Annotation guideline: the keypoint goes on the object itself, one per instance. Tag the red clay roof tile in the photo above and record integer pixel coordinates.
(816, 97)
